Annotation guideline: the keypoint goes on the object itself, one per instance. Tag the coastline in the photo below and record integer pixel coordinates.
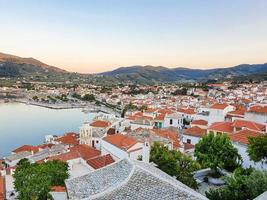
(86, 107)
(51, 106)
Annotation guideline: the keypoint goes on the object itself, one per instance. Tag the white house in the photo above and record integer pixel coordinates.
(173, 120)
(218, 112)
(192, 135)
(257, 113)
(240, 141)
(122, 146)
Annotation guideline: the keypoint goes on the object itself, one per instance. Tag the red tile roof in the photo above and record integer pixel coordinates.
(188, 111)
(2, 188)
(100, 161)
(165, 111)
(160, 117)
(249, 125)
(85, 151)
(201, 122)
(150, 110)
(66, 156)
(171, 135)
(121, 141)
(243, 135)
(258, 109)
(238, 112)
(58, 189)
(195, 131)
(69, 139)
(79, 151)
(44, 146)
(100, 124)
(188, 146)
(220, 106)
(26, 148)
(225, 127)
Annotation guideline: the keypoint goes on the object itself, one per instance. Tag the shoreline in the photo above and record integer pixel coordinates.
(50, 106)
(85, 107)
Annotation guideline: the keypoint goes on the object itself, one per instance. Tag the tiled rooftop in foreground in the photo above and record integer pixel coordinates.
(128, 179)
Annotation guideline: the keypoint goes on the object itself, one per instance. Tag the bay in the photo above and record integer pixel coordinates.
(27, 124)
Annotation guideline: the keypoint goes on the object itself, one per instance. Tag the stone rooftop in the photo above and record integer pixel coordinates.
(128, 179)
(18, 156)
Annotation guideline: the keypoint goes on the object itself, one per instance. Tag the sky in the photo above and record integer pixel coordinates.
(92, 36)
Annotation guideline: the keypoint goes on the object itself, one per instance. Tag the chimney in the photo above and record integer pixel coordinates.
(146, 152)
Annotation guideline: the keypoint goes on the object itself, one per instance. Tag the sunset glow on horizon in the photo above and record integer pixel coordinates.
(101, 35)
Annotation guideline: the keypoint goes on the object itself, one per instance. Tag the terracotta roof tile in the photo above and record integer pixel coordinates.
(199, 122)
(243, 135)
(168, 134)
(85, 151)
(160, 117)
(2, 188)
(220, 106)
(195, 131)
(121, 141)
(188, 111)
(100, 161)
(188, 146)
(248, 124)
(258, 109)
(28, 148)
(225, 127)
(100, 124)
(70, 139)
(58, 189)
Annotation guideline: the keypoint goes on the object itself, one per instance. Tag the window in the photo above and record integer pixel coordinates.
(170, 121)
(188, 141)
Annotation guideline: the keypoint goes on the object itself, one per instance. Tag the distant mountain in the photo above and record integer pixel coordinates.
(29, 68)
(163, 74)
(14, 66)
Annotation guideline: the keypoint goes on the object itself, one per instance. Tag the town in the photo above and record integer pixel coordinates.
(166, 141)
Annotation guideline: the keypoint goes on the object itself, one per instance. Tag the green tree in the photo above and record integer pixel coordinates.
(35, 98)
(257, 148)
(217, 152)
(33, 181)
(88, 97)
(175, 164)
(242, 184)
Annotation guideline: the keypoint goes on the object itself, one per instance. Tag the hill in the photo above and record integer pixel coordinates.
(163, 74)
(14, 66)
(31, 69)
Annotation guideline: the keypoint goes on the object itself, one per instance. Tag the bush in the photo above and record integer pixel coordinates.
(33, 181)
(217, 151)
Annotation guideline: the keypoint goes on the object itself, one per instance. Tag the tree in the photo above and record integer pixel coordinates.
(35, 98)
(257, 148)
(217, 152)
(129, 106)
(242, 184)
(175, 164)
(34, 181)
(88, 97)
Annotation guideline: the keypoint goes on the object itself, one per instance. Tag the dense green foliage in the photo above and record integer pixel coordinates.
(242, 184)
(88, 97)
(182, 91)
(257, 148)
(175, 164)
(217, 151)
(34, 181)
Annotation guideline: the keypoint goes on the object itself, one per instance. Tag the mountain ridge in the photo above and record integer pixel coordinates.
(15, 66)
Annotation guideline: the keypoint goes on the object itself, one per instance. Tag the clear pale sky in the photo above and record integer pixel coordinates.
(99, 35)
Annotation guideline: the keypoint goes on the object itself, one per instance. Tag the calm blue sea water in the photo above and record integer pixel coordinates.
(25, 124)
